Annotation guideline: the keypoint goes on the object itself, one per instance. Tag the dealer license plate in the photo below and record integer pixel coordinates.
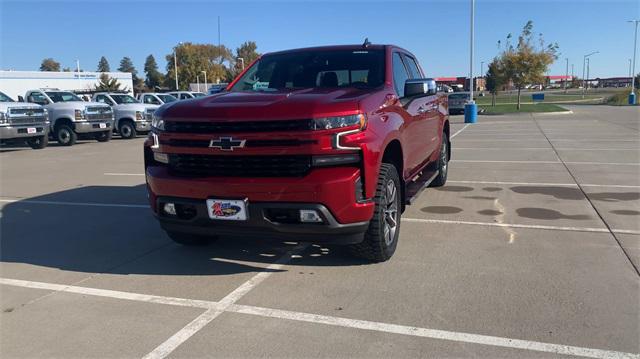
(227, 209)
(103, 125)
(31, 130)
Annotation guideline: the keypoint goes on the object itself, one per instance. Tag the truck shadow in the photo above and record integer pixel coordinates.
(118, 234)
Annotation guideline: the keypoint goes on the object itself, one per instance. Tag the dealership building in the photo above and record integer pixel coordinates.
(17, 83)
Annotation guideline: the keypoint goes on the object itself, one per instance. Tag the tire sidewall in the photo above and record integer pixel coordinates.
(391, 174)
(127, 130)
(70, 135)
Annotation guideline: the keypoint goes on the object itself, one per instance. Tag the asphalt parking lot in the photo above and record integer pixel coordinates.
(531, 250)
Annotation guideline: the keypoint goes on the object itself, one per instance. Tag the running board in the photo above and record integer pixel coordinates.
(413, 189)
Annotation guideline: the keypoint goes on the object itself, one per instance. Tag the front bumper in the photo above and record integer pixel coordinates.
(92, 126)
(143, 126)
(21, 131)
(193, 218)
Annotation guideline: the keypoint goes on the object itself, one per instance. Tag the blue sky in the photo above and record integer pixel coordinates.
(436, 31)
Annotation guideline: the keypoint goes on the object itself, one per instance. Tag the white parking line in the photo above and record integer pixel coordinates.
(61, 203)
(542, 148)
(516, 225)
(460, 130)
(216, 307)
(548, 162)
(545, 184)
(164, 349)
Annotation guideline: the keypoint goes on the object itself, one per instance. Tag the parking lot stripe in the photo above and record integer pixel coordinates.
(548, 162)
(216, 308)
(541, 148)
(90, 204)
(431, 333)
(460, 130)
(544, 184)
(166, 348)
(516, 225)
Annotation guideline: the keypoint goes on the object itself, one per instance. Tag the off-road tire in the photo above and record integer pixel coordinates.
(127, 130)
(190, 239)
(443, 164)
(38, 143)
(65, 136)
(104, 136)
(375, 247)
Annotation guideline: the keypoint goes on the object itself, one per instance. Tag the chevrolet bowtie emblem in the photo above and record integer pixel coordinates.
(227, 143)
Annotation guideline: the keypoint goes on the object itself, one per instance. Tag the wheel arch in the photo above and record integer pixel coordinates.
(393, 154)
(447, 132)
(63, 121)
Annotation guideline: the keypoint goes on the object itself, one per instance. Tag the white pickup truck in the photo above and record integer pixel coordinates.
(71, 118)
(23, 122)
(153, 98)
(131, 116)
(186, 95)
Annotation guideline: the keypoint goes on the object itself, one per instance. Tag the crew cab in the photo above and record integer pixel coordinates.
(71, 118)
(23, 122)
(325, 144)
(155, 98)
(186, 95)
(130, 116)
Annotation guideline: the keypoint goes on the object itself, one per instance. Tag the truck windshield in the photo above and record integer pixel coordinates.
(167, 98)
(314, 69)
(5, 98)
(121, 99)
(61, 96)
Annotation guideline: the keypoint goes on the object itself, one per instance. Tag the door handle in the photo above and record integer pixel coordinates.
(422, 110)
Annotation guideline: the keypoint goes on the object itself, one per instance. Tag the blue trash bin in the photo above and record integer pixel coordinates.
(470, 113)
(632, 98)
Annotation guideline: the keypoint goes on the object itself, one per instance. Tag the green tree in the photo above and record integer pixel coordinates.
(126, 65)
(193, 59)
(103, 65)
(247, 52)
(108, 84)
(527, 63)
(495, 79)
(49, 64)
(154, 78)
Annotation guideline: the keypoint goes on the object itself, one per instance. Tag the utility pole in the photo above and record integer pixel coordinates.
(205, 82)
(584, 61)
(482, 74)
(175, 63)
(566, 75)
(218, 31)
(198, 81)
(588, 82)
(470, 109)
(632, 96)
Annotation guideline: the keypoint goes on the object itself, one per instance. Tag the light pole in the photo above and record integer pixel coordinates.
(198, 82)
(482, 73)
(632, 94)
(629, 68)
(205, 82)
(566, 75)
(584, 61)
(470, 109)
(588, 67)
(175, 63)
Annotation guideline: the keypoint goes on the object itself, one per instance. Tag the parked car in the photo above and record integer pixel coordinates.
(186, 95)
(457, 100)
(131, 117)
(23, 122)
(155, 98)
(217, 88)
(324, 144)
(71, 118)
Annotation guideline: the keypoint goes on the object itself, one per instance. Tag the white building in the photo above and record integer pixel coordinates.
(17, 83)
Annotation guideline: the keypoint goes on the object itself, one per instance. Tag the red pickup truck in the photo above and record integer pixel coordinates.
(324, 144)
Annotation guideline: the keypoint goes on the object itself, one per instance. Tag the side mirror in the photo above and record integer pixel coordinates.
(420, 87)
(20, 98)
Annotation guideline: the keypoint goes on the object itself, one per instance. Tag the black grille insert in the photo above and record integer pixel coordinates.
(250, 143)
(238, 126)
(239, 166)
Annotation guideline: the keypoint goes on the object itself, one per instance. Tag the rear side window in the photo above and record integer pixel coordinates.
(414, 71)
(400, 74)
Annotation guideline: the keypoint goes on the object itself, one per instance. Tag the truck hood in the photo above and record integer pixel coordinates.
(294, 104)
(4, 106)
(74, 105)
(134, 107)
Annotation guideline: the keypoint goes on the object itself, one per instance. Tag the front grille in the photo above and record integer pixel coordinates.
(238, 126)
(250, 143)
(27, 120)
(99, 116)
(99, 109)
(26, 112)
(239, 166)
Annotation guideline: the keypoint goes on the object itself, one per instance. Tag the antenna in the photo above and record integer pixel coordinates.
(366, 43)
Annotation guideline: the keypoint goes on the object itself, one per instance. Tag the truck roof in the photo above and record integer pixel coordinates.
(334, 47)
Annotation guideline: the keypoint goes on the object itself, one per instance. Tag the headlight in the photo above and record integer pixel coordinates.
(139, 116)
(157, 123)
(3, 117)
(79, 115)
(327, 123)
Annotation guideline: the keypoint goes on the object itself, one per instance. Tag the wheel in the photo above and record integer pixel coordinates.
(190, 239)
(65, 135)
(127, 130)
(104, 136)
(38, 143)
(381, 239)
(443, 164)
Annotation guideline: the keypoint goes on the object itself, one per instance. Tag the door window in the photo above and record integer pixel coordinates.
(414, 71)
(37, 97)
(400, 74)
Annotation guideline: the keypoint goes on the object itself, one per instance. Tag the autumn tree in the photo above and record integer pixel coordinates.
(154, 78)
(103, 65)
(527, 62)
(247, 52)
(108, 84)
(193, 59)
(49, 64)
(495, 78)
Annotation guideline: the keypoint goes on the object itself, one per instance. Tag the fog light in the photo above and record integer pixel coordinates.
(161, 157)
(310, 215)
(170, 209)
